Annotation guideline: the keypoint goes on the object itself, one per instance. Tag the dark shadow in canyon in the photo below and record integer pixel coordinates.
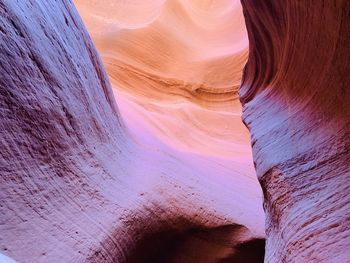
(197, 244)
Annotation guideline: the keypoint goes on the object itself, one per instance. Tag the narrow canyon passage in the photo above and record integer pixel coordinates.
(166, 175)
(175, 77)
(176, 66)
(134, 151)
(171, 83)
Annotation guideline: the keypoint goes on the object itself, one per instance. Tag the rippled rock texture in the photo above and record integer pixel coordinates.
(79, 184)
(296, 98)
(177, 64)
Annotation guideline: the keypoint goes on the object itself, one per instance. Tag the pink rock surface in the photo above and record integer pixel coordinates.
(79, 184)
(177, 64)
(296, 104)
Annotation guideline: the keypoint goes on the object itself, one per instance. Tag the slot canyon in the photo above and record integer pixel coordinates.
(174, 131)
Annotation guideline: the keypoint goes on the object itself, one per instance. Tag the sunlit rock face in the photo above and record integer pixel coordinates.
(82, 182)
(177, 64)
(296, 104)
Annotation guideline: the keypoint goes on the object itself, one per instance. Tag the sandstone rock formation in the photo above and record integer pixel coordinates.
(178, 65)
(296, 98)
(79, 185)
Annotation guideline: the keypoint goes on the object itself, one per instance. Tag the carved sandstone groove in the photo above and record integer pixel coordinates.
(76, 186)
(295, 93)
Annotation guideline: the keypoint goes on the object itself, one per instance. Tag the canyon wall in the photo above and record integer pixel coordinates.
(177, 64)
(295, 93)
(80, 184)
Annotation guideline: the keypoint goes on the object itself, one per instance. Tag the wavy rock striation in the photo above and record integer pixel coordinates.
(296, 105)
(177, 64)
(77, 185)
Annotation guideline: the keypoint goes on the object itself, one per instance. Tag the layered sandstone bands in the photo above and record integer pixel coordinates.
(78, 184)
(296, 105)
(174, 52)
(167, 176)
(178, 64)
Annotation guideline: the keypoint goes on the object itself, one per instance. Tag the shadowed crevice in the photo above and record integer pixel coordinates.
(206, 245)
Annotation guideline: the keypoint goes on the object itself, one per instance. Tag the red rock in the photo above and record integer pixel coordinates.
(295, 93)
(76, 185)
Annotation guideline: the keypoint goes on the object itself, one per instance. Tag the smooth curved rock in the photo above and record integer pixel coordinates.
(295, 93)
(177, 64)
(77, 185)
